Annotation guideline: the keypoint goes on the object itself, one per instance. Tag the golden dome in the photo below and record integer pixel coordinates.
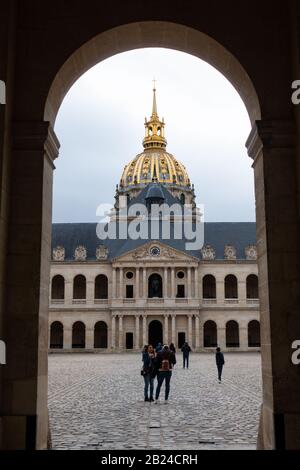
(154, 164)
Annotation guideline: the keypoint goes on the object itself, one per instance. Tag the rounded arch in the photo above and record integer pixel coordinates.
(78, 335)
(252, 286)
(155, 333)
(254, 334)
(232, 334)
(79, 287)
(101, 287)
(209, 287)
(100, 335)
(56, 335)
(58, 287)
(155, 286)
(210, 334)
(231, 287)
(135, 36)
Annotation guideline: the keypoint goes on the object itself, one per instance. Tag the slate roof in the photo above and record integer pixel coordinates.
(216, 234)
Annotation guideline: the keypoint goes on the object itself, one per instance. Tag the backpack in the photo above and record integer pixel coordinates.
(165, 365)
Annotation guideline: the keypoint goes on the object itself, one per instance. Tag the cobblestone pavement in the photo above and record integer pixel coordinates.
(96, 402)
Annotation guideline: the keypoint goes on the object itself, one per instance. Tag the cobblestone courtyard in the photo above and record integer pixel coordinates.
(96, 402)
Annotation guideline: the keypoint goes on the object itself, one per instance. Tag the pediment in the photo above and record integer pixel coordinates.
(156, 251)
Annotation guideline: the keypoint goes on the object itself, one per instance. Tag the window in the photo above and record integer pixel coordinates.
(209, 287)
(79, 287)
(101, 287)
(231, 287)
(180, 291)
(129, 292)
(58, 288)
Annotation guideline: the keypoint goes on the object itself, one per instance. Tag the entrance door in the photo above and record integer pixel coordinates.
(155, 333)
(181, 339)
(129, 340)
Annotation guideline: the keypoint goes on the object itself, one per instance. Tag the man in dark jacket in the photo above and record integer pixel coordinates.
(220, 363)
(164, 362)
(186, 354)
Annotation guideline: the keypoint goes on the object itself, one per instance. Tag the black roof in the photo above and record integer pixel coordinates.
(216, 234)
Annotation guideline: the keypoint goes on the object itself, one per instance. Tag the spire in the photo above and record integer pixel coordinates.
(155, 128)
(154, 107)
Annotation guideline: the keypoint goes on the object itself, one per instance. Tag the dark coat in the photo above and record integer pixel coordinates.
(186, 349)
(220, 359)
(165, 355)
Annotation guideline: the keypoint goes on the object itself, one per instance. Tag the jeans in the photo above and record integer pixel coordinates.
(186, 360)
(220, 368)
(161, 377)
(149, 382)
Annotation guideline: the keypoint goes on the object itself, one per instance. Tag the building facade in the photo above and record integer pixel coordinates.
(119, 294)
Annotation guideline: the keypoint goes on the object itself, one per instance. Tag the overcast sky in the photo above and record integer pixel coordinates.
(100, 126)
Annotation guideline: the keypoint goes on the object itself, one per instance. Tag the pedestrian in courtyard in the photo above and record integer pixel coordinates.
(172, 348)
(158, 348)
(147, 372)
(186, 354)
(220, 363)
(165, 360)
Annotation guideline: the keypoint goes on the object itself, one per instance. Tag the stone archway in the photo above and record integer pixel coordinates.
(38, 92)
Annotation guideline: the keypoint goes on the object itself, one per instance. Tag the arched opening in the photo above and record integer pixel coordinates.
(231, 287)
(100, 335)
(210, 334)
(58, 288)
(79, 288)
(101, 287)
(254, 334)
(78, 335)
(155, 335)
(56, 335)
(209, 287)
(155, 286)
(232, 334)
(252, 286)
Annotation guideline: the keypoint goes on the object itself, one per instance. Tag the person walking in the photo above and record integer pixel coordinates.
(147, 371)
(172, 348)
(220, 363)
(165, 360)
(158, 348)
(186, 354)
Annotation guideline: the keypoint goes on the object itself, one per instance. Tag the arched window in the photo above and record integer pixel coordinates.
(79, 287)
(78, 335)
(58, 288)
(100, 335)
(231, 287)
(155, 286)
(252, 286)
(56, 335)
(210, 334)
(254, 334)
(209, 287)
(101, 287)
(232, 334)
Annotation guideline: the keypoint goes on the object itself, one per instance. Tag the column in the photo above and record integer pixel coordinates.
(121, 283)
(174, 329)
(242, 294)
(243, 333)
(114, 283)
(145, 286)
(137, 332)
(173, 283)
(197, 332)
(90, 292)
(189, 283)
(68, 291)
(165, 283)
(221, 336)
(166, 329)
(67, 338)
(190, 330)
(113, 332)
(137, 283)
(145, 330)
(196, 280)
(201, 334)
(121, 333)
(220, 287)
(89, 338)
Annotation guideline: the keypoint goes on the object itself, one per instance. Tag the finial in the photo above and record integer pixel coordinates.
(154, 107)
